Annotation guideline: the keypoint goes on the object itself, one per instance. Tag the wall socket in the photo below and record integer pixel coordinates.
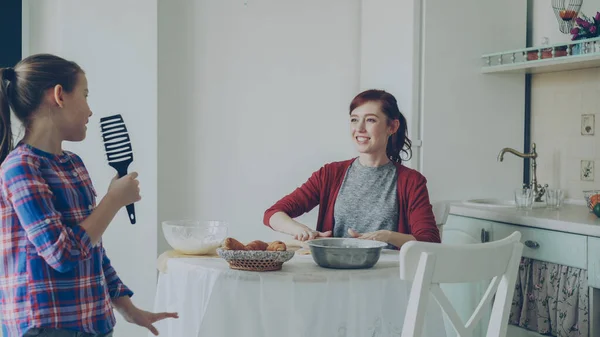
(587, 170)
(587, 125)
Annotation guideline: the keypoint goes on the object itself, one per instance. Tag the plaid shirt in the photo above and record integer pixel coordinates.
(51, 276)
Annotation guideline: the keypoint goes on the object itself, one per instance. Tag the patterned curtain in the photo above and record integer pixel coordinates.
(551, 299)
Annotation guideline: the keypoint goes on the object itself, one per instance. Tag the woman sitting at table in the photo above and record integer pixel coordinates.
(371, 197)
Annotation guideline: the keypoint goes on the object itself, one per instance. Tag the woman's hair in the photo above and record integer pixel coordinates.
(398, 143)
(22, 90)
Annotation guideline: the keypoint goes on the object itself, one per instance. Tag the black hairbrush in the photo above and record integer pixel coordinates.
(118, 149)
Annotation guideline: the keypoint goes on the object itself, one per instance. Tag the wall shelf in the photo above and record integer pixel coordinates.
(580, 54)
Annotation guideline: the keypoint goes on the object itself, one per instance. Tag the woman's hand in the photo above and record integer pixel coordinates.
(381, 235)
(133, 314)
(303, 233)
(281, 222)
(389, 237)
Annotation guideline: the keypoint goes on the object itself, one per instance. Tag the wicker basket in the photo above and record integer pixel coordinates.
(255, 260)
(255, 265)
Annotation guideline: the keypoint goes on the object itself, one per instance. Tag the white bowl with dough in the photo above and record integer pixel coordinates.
(195, 237)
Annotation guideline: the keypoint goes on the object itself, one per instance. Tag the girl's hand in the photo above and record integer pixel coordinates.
(133, 314)
(146, 319)
(125, 190)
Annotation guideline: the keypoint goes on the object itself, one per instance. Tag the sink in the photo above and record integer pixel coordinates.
(490, 203)
(498, 203)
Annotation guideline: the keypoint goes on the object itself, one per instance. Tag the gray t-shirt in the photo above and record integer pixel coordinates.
(367, 201)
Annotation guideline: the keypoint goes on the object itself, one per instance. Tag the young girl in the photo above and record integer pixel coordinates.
(55, 277)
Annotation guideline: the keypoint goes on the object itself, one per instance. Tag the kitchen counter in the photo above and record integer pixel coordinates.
(570, 218)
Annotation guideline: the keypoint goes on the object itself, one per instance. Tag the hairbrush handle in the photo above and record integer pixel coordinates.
(131, 213)
(122, 171)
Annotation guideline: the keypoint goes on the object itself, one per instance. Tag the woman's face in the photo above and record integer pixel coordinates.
(370, 128)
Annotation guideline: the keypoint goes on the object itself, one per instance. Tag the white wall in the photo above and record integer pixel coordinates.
(429, 61)
(557, 102)
(467, 116)
(253, 99)
(390, 58)
(115, 42)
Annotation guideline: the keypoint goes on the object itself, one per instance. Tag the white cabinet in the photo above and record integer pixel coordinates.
(466, 296)
(568, 249)
(545, 245)
(463, 230)
(593, 262)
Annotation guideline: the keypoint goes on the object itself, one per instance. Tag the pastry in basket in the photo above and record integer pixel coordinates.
(257, 245)
(277, 246)
(233, 244)
(256, 255)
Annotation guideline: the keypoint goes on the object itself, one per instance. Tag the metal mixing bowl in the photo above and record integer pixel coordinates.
(345, 253)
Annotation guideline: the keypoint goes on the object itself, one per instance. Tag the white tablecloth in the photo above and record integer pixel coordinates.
(301, 300)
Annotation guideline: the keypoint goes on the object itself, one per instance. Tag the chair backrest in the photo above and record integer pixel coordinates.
(429, 264)
(440, 212)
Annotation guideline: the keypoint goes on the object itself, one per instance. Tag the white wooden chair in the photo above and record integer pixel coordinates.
(440, 211)
(429, 264)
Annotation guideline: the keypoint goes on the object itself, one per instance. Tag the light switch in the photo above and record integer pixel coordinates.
(587, 125)
(587, 170)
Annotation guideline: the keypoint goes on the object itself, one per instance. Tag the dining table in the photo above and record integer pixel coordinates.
(300, 300)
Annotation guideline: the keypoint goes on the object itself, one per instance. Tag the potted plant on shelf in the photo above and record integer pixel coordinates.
(586, 28)
(547, 53)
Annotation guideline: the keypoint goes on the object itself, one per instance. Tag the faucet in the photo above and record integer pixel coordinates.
(538, 189)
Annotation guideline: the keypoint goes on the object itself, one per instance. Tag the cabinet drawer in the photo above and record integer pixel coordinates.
(544, 245)
(463, 230)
